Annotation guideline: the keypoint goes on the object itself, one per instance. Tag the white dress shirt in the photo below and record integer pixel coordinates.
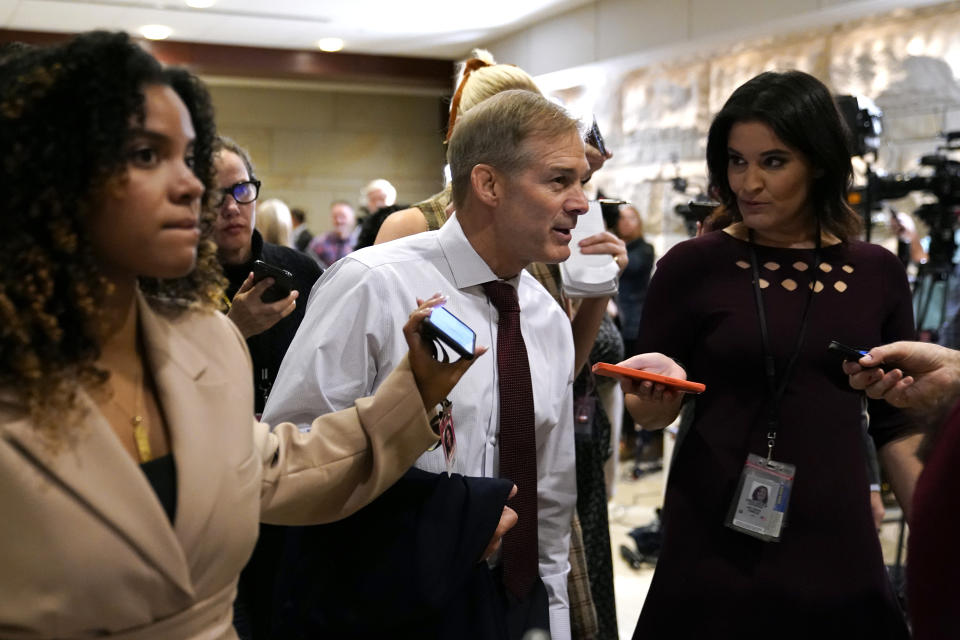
(351, 338)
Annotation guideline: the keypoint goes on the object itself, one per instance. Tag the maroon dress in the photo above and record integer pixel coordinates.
(825, 578)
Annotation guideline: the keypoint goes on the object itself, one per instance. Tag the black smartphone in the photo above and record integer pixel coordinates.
(848, 353)
(452, 331)
(594, 138)
(703, 208)
(283, 282)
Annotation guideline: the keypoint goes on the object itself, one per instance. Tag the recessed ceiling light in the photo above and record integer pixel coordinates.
(200, 4)
(155, 31)
(330, 44)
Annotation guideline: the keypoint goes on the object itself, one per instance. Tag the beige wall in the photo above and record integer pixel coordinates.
(312, 146)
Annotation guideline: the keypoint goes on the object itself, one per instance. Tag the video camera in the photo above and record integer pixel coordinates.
(942, 181)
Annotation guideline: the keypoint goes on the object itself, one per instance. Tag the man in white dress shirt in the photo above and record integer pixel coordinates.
(517, 163)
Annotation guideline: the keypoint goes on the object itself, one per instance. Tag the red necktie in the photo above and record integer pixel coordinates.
(518, 442)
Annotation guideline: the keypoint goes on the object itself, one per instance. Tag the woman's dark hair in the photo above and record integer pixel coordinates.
(801, 111)
(66, 117)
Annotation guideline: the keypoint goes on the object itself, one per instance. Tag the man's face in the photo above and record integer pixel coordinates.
(342, 218)
(541, 203)
(376, 199)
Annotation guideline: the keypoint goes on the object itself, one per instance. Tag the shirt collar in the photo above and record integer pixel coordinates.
(466, 266)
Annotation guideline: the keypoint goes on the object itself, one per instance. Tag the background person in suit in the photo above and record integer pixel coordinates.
(301, 234)
(132, 473)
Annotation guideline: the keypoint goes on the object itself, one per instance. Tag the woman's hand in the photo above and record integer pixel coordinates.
(435, 379)
(652, 405)
(251, 314)
(595, 159)
(609, 244)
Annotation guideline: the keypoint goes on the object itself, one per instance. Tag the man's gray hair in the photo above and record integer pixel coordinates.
(494, 133)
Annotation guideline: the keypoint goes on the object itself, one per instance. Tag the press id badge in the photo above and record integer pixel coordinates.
(759, 508)
(448, 438)
(442, 423)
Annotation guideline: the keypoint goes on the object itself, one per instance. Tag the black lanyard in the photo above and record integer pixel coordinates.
(776, 393)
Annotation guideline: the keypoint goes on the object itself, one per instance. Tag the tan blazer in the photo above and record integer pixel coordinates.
(86, 549)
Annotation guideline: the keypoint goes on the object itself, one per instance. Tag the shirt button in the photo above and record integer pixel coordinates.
(492, 441)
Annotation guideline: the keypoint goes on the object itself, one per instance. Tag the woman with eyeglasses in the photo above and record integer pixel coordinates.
(132, 472)
(267, 326)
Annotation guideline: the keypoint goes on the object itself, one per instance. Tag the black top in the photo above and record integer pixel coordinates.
(302, 238)
(268, 348)
(827, 571)
(162, 474)
(370, 226)
(633, 287)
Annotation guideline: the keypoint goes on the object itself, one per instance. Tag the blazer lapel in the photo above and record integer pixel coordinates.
(189, 391)
(94, 467)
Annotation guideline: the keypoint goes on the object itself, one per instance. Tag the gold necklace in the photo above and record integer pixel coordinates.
(141, 436)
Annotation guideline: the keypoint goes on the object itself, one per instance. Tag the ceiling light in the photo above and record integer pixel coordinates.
(330, 44)
(155, 31)
(200, 4)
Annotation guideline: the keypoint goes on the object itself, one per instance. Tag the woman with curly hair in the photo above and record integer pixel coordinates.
(132, 473)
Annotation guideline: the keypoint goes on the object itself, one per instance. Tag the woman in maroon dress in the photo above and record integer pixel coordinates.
(759, 302)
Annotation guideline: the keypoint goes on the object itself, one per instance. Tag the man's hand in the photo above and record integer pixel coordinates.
(920, 376)
(434, 379)
(609, 244)
(652, 405)
(251, 314)
(507, 519)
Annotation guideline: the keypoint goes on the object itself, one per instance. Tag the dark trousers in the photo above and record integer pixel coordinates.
(532, 612)
(254, 608)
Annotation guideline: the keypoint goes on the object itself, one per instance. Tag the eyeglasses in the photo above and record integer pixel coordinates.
(242, 192)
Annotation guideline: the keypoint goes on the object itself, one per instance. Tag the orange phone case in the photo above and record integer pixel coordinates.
(612, 370)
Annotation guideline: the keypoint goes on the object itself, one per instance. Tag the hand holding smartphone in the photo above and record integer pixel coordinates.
(612, 371)
(283, 281)
(848, 353)
(593, 137)
(450, 330)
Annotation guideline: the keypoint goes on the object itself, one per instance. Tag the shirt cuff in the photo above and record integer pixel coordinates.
(559, 623)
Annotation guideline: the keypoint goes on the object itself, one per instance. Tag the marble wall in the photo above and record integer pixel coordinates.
(656, 117)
